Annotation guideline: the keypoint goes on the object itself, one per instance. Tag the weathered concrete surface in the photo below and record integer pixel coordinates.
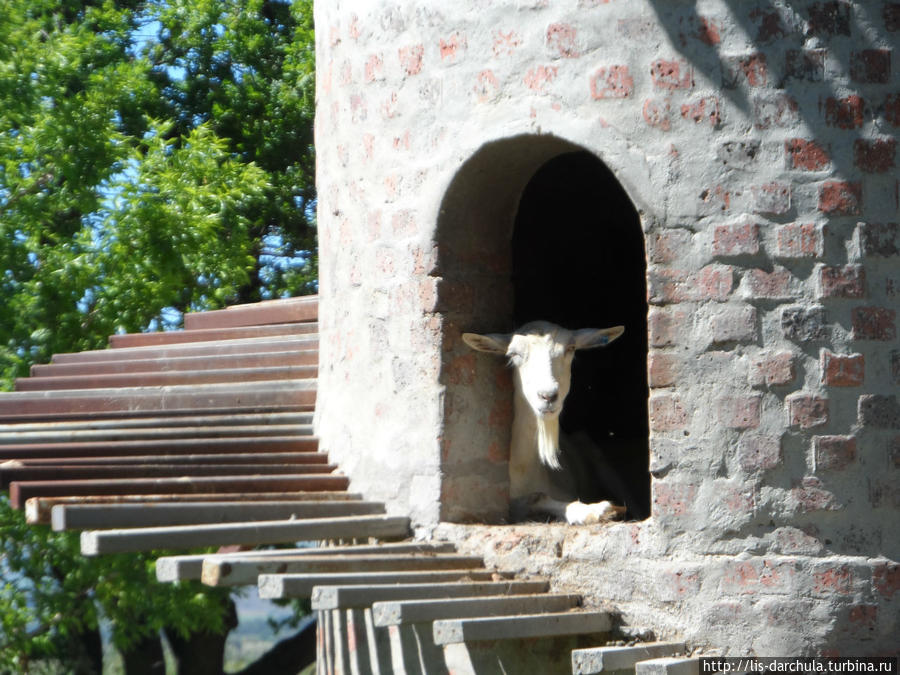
(758, 145)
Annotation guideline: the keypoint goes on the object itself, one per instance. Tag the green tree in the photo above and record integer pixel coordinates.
(155, 157)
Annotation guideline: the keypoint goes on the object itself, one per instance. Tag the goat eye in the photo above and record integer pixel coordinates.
(570, 349)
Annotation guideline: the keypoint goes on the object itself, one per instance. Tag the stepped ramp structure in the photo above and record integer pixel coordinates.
(203, 438)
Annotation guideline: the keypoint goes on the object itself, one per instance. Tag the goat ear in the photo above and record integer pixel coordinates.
(589, 338)
(494, 343)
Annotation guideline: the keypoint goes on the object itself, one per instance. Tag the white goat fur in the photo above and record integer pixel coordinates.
(541, 355)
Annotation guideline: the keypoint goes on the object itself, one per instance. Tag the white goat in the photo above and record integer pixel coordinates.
(541, 355)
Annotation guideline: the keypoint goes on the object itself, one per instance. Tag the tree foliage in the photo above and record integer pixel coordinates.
(155, 157)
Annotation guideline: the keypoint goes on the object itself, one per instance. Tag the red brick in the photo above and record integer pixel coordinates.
(774, 110)
(874, 156)
(736, 240)
(891, 14)
(750, 69)
(874, 323)
(886, 578)
(739, 412)
(807, 411)
(769, 24)
(713, 282)
(863, 616)
(871, 66)
(758, 453)
(774, 285)
(673, 499)
(733, 324)
(452, 46)
(892, 109)
(774, 198)
(805, 64)
(561, 40)
(668, 245)
(678, 584)
(834, 453)
(842, 370)
(669, 75)
(411, 58)
(848, 281)
(844, 113)
(612, 82)
(758, 576)
(540, 76)
(800, 241)
(829, 18)
(505, 43)
(706, 109)
(374, 68)
(806, 155)
(662, 369)
(809, 495)
(486, 85)
(709, 32)
(772, 370)
(656, 114)
(717, 196)
(840, 198)
(667, 413)
(837, 580)
(666, 326)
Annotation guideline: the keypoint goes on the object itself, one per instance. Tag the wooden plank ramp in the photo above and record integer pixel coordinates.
(203, 437)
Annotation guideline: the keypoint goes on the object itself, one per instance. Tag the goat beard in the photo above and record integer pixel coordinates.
(548, 441)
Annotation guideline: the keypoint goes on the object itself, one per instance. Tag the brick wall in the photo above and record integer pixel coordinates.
(758, 143)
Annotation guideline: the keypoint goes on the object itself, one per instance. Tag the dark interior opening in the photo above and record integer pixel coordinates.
(578, 261)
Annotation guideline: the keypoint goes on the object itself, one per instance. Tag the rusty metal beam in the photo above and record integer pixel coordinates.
(20, 492)
(169, 446)
(23, 474)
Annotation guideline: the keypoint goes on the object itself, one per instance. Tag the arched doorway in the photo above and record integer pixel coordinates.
(536, 227)
(578, 260)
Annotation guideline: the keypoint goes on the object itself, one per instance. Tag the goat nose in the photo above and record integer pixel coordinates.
(549, 395)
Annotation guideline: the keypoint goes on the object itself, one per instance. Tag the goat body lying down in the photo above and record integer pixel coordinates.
(541, 355)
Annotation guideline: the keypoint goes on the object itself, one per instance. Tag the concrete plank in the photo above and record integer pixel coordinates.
(243, 572)
(606, 659)
(344, 597)
(38, 510)
(394, 613)
(103, 516)
(448, 631)
(668, 666)
(184, 567)
(98, 542)
(302, 585)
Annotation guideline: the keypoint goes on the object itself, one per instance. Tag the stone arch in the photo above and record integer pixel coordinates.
(489, 230)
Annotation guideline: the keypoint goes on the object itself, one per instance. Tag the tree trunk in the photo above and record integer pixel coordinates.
(89, 659)
(145, 657)
(289, 656)
(202, 653)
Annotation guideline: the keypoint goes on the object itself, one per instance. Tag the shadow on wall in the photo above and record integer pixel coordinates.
(799, 53)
